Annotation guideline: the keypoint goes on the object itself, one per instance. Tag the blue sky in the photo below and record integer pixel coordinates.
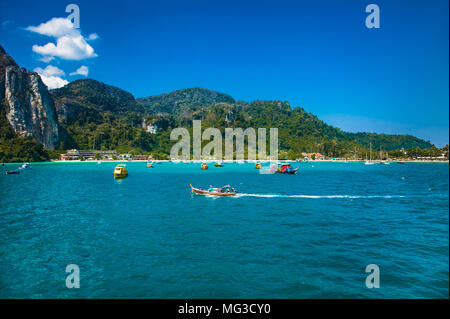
(315, 54)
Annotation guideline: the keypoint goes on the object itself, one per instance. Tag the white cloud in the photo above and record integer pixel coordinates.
(82, 70)
(51, 76)
(53, 82)
(92, 36)
(56, 27)
(47, 59)
(68, 47)
(70, 44)
(50, 70)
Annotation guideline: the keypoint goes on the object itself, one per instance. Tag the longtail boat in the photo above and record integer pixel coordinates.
(214, 191)
(14, 171)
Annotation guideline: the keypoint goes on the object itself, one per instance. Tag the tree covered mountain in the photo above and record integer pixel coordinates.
(86, 101)
(96, 115)
(89, 114)
(183, 102)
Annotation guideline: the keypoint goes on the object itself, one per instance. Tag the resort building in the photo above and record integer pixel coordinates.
(75, 154)
(140, 157)
(314, 156)
(150, 128)
(125, 156)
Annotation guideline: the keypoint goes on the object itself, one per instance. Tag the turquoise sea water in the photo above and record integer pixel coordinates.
(305, 236)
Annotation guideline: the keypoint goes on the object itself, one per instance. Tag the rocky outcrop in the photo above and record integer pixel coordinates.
(27, 102)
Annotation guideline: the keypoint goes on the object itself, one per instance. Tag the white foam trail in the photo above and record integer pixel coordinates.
(317, 196)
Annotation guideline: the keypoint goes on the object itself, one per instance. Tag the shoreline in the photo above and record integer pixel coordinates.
(225, 162)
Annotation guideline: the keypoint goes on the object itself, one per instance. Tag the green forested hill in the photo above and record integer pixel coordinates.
(183, 102)
(87, 101)
(92, 114)
(97, 115)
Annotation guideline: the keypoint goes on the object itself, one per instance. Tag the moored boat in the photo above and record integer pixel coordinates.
(226, 190)
(285, 168)
(25, 166)
(149, 164)
(370, 162)
(120, 171)
(258, 165)
(204, 166)
(14, 171)
(219, 164)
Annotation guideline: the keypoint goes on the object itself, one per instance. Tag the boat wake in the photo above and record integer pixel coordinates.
(318, 196)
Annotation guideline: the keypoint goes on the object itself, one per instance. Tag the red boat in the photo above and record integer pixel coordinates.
(285, 168)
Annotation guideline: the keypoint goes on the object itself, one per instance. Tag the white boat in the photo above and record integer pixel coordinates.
(25, 166)
(369, 162)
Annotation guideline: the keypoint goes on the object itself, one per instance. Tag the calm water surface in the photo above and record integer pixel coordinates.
(304, 236)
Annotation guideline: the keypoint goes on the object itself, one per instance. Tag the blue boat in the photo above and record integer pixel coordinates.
(14, 171)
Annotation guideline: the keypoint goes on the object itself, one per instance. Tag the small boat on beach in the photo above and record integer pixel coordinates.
(226, 190)
(204, 166)
(14, 171)
(120, 171)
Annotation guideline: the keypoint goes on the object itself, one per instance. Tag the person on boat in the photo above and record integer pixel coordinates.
(210, 189)
(233, 190)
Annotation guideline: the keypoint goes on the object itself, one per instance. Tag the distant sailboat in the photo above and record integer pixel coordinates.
(385, 162)
(369, 162)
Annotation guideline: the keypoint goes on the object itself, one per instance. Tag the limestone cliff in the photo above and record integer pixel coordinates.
(27, 103)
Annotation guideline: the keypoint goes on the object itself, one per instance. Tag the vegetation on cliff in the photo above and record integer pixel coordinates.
(94, 115)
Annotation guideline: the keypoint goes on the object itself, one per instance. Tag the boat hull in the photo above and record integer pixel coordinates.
(291, 172)
(203, 192)
(120, 171)
(12, 172)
